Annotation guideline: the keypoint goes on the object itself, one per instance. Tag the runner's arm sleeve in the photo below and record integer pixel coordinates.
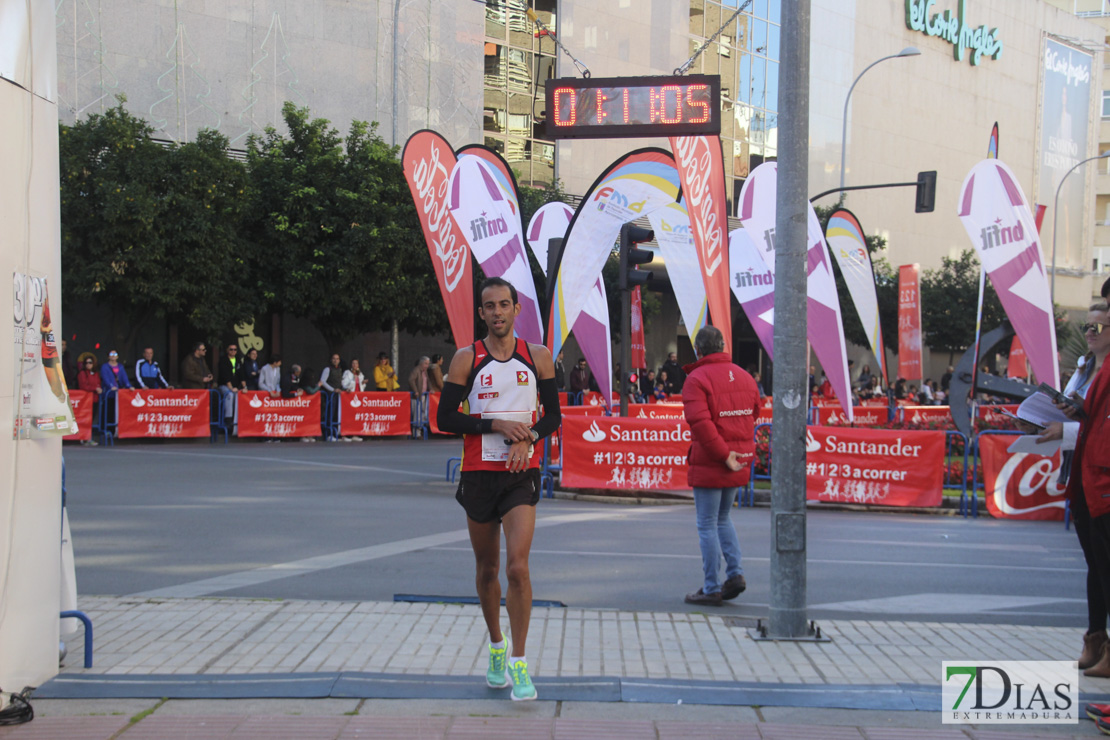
(552, 415)
(450, 419)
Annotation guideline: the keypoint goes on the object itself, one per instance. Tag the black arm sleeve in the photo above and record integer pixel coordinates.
(552, 415)
(453, 421)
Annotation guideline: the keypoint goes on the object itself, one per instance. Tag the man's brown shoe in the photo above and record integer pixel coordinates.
(733, 587)
(1093, 643)
(701, 598)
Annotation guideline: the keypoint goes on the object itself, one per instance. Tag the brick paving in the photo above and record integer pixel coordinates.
(215, 636)
(236, 636)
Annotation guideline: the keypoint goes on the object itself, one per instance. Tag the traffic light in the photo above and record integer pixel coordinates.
(926, 192)
(630, 256)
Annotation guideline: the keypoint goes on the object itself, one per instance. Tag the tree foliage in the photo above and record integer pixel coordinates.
(150, 231)
(341, 243)
(949, 304)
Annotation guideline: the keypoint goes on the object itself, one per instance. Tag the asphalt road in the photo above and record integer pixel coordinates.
(366, 521)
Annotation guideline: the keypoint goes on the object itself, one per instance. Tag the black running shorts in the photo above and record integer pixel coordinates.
(487, 495)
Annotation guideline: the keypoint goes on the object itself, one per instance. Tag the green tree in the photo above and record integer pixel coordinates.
(149, 231)
(949, 305)
(341, 243)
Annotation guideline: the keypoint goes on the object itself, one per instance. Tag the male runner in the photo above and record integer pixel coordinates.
(499, 377)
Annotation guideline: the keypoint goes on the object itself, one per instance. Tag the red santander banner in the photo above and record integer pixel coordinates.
(428, 161)
(82, 404)
(909, 322)
(834, 415)
(262, 416)
(1020, 485)
(766, 410)
(874, 466)
(701, 171)
(162, 413)
(611, 452)
(992, 414)
(364, 414)
(925, 414)
(655, 411)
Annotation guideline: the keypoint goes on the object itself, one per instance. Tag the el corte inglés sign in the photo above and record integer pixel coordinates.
(953, 28)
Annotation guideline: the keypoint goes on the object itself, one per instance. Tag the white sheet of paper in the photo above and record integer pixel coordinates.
(1040, 410)
(1028, 443)
(494, 448)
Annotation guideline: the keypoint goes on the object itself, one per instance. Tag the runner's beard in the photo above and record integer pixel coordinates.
(506, 329)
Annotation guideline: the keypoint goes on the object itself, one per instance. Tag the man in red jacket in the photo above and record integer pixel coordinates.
(720, 402)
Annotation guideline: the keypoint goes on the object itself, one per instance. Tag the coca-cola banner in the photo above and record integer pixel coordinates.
(1020, 485)
(262, 416)
(376, 414)
(611, 452)
(433, 410)
(82, 404)
(874, 466)
(428, 162)
(834, 415)
(702, 172)
(162, 413)
(925, 414)
(994, 415)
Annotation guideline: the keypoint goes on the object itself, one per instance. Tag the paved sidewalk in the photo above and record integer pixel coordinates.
(399, 670)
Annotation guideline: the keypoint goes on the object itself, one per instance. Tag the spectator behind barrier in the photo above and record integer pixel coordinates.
(113, 375)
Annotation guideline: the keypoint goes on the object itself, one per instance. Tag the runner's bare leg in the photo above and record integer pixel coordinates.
(520, 525)
(486, 541)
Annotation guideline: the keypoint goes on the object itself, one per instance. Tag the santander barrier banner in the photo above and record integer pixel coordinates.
(832, 416)
(611, 452)
(874, 466)
(1020, 485)
(262, 416)
(376, 414)
(82, 404)
(162, 413)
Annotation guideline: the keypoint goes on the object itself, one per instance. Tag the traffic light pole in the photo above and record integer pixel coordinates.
(629, 277)
(788, 479)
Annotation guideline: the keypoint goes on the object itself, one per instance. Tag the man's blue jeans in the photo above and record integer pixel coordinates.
(717, 535)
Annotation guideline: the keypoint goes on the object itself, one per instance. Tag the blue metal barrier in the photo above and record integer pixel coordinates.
(548, 470)
(74, 614)
(752, 475)
(217, 408)
(975, 466)
(950, 438)
(419, 415)
(108, 421)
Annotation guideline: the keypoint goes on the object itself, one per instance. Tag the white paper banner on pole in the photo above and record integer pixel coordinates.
(490, 223)
(676, 241)
(824, 327)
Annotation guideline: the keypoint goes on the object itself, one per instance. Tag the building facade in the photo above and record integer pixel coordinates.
(475, 72)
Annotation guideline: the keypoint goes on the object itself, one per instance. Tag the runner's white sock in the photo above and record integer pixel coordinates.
(498, 645)
(517, 659)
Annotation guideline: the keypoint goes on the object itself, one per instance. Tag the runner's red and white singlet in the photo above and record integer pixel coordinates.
(499, 390)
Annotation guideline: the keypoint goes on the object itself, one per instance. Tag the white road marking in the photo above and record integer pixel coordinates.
(287, 461)
(931, 603)
(256, 576)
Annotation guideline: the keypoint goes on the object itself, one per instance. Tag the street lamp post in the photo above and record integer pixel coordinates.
(1056, 213)
(909, 51)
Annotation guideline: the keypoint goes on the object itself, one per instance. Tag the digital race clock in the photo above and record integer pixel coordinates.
(615, 107)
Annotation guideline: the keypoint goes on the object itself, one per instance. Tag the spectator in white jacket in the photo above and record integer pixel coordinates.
(353, 379)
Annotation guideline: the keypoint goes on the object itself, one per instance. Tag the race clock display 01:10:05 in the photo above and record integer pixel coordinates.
(617, 107)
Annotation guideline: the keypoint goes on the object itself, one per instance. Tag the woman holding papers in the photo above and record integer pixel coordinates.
(1085, 470)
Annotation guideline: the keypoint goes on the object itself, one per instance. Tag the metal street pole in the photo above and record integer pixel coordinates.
(788, 481)
(909, 51)
(1055, 215)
